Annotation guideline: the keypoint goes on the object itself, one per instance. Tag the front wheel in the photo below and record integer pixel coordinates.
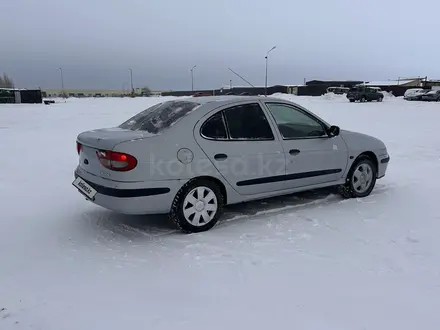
(197, 206)
(361, 179)
(380, 99)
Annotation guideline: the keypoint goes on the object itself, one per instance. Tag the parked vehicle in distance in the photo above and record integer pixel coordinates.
(338, 90)
(199, 94)
(415, 94)
(242, 94)
(190, 157)
(431, 96)
(365, 94)
(377, 89)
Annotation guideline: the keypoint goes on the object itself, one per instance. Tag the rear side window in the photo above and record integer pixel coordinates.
(214, 127)
(248, 122)
(159, 117)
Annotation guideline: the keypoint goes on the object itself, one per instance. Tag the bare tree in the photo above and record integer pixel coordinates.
(6, 82)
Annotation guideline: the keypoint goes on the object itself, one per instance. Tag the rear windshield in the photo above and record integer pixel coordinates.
(159, 117)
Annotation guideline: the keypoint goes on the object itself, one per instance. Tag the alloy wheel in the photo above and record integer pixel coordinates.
(362, 178)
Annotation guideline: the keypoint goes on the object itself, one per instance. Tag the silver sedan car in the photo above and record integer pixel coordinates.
(191, 156)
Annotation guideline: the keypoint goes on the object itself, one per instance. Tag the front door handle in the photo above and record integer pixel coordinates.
(294, 152)
(220, 157)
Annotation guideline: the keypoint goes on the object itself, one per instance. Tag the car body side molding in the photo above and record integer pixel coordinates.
(288, 177)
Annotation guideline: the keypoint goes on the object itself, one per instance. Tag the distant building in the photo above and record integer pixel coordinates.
(93, 92)
(16, 95)
(334, 83)
(416, 82)
(432, 83)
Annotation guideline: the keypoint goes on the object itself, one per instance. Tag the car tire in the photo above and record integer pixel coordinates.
(380, 99)
(356, 180)
(363, 99)
(197, 206)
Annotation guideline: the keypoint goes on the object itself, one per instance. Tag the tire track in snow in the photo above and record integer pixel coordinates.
(233, 215)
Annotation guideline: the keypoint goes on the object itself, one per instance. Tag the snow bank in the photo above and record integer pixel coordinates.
(387, 95)
(333, 96)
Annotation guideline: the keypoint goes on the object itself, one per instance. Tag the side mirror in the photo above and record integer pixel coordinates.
(333, 131)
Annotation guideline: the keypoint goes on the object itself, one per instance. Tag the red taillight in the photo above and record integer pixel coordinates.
(78, 147)
(116, 161)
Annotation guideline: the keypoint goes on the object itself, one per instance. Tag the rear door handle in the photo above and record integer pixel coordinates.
(294, 152)
(220, 157)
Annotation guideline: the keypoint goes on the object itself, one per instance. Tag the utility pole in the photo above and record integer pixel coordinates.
(230, 83)
(267, 57)
(192, 77)
(131, 82)
(62, 83)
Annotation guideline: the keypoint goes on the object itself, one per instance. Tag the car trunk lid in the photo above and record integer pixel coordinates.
(107, 138)
(94, 141)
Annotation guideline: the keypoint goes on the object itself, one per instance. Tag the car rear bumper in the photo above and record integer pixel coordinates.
(152, 197)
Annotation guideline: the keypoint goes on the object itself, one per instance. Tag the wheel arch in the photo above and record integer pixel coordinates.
(218, 182)
(370, 155)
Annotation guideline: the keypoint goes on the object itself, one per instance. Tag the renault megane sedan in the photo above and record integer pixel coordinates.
(191, 156)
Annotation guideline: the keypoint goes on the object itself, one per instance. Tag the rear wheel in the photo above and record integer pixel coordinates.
(363, 99)
(380, 99)
(197, 206)
(361, 178)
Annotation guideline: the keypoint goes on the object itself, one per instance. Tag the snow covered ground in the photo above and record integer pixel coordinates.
(310, 261)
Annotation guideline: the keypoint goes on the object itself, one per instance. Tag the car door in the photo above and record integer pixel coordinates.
(312, 157)
(240, 142)
(377, 94)
(374, 94)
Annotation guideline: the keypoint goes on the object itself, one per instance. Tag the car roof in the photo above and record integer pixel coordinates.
(228, 98)
(209, 103)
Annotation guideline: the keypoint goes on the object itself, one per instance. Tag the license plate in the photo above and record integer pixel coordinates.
(84, 188)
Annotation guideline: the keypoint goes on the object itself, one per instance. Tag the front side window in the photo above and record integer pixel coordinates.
(159, 117)
(248, 122)
(293, 123)
(214, 127)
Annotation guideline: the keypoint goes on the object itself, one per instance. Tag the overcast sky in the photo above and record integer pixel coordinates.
(97, 41)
